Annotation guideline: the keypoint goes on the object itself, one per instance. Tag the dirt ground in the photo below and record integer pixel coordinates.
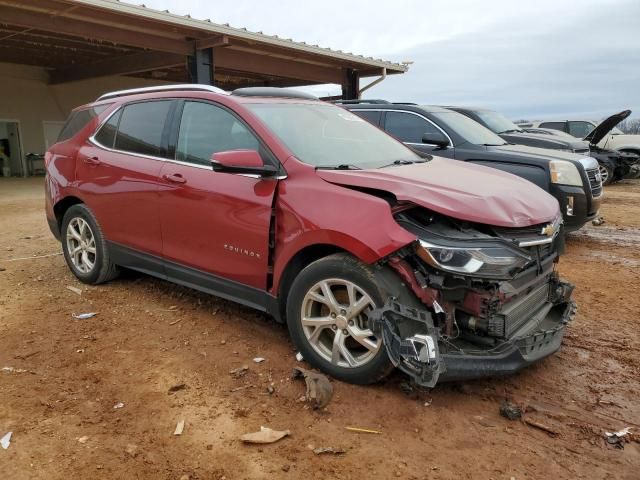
(68, 376)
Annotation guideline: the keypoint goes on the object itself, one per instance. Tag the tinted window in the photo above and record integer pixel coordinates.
(141, 126)
(408, 127)
(106, 136)
(370, 116)
(553, 125)
(78, 120)
(206, 129)
(580, 129)
(497, 123)
(468, 130)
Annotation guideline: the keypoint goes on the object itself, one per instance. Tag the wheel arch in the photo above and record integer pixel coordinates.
(61, 207)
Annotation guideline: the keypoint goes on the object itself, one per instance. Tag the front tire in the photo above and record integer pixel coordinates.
(606, 173)
(85, 248)
(327, 311)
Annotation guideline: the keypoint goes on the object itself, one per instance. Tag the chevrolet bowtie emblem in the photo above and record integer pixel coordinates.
(548, 230)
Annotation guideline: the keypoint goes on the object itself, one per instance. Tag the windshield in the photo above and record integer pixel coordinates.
(324, 135)
(498, 123)
(470, 130)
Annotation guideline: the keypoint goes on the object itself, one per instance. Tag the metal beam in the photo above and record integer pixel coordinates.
(279, 67)
(86, 29)
(120, 65)
(201, 66)
(350, 84)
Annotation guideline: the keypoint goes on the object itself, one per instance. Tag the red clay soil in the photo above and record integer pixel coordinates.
(150, 336)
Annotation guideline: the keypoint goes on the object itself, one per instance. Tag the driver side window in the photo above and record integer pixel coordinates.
(409, 128)
(206, 129)
(580, 129)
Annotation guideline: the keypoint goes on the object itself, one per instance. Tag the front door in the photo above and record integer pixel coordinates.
(215, 226)
(410, 127)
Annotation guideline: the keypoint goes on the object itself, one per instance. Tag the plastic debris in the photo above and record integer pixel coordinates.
(74, 289)
(6, 440)
(84, 316)
(179, 428)
(596, 222)
(319, 389)
(510, 411)
(265, 435)
(13, 370)
(299, 357)
(258, 360)
(618, 439)
(332, 450)
(362, 430)
(118, 405)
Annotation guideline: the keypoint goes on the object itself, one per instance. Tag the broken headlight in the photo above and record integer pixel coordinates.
(565, 173)
(486, 261)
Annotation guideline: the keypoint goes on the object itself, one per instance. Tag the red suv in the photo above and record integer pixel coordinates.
(374, 255)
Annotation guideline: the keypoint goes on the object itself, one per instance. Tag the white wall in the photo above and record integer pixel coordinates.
(26, 96)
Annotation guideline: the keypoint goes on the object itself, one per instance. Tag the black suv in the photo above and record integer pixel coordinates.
(573, 179)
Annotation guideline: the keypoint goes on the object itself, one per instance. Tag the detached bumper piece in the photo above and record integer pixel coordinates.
(416, 347)
(416, 355)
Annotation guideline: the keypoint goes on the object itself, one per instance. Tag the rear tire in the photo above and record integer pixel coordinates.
(85, 248)
(327, 311)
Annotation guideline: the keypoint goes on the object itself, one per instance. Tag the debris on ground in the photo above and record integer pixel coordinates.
(258, 360)
(332, 450)
(84, 316)
(175, 321)
(83, 439)
(319, 389)
(299, 357)
(6, 440)
(541, 426)
(239, 372)
(131, 450)
(118, 405)
(177, 388)
(483, 421)
(362, 430)
(271, 390)
(265, 435)
(596, 222)
(74, 289)
(13, 370)
(179, 428)
(618, 439)
(510, 411)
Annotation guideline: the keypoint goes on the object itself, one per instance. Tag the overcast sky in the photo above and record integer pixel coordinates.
(526, 58)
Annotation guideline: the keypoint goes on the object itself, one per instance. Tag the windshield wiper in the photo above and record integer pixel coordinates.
(513, 130)
(342, 166)
(404, 162)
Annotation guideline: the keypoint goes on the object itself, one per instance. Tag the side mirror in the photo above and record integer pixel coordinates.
(436, 139)
(241, 161)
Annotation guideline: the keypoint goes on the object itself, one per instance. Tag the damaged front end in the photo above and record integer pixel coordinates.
(491, 300)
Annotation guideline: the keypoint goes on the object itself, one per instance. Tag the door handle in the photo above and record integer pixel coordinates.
(175, 178)
(91, 160)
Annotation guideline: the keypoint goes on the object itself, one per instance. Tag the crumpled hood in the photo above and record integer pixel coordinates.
(604, 127)
(459, 190)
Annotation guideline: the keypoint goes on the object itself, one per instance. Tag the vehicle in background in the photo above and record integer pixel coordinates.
(573, 179)
(617, 153)
(512, 133)
(373, 255)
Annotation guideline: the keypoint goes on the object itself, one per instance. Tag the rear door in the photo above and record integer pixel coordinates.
(215, 226)
(409, 127)
(118, 173)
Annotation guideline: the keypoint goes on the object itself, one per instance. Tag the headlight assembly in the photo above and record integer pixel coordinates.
(565, 173)
(496, 262)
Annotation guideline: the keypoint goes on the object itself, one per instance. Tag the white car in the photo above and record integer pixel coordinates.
(612, 138)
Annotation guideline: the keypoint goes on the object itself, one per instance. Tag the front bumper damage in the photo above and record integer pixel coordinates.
(422, 351)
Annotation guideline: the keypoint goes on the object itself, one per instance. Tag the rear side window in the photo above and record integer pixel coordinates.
(553, 125)
(206, 129)
(141, 127)
(370, 116)
(106, 136)
(78, 120)
(408, 127)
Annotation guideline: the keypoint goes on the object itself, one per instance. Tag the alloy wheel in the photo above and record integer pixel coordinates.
(334, 320)
(604, 173)
(81, 245)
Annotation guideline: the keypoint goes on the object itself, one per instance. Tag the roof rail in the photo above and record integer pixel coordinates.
(272, 92)
(162, 88)
(373, 101)
(405, 103)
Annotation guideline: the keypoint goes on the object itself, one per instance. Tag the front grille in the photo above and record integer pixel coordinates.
(595, 181)
(517, 313)
(525, 234)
